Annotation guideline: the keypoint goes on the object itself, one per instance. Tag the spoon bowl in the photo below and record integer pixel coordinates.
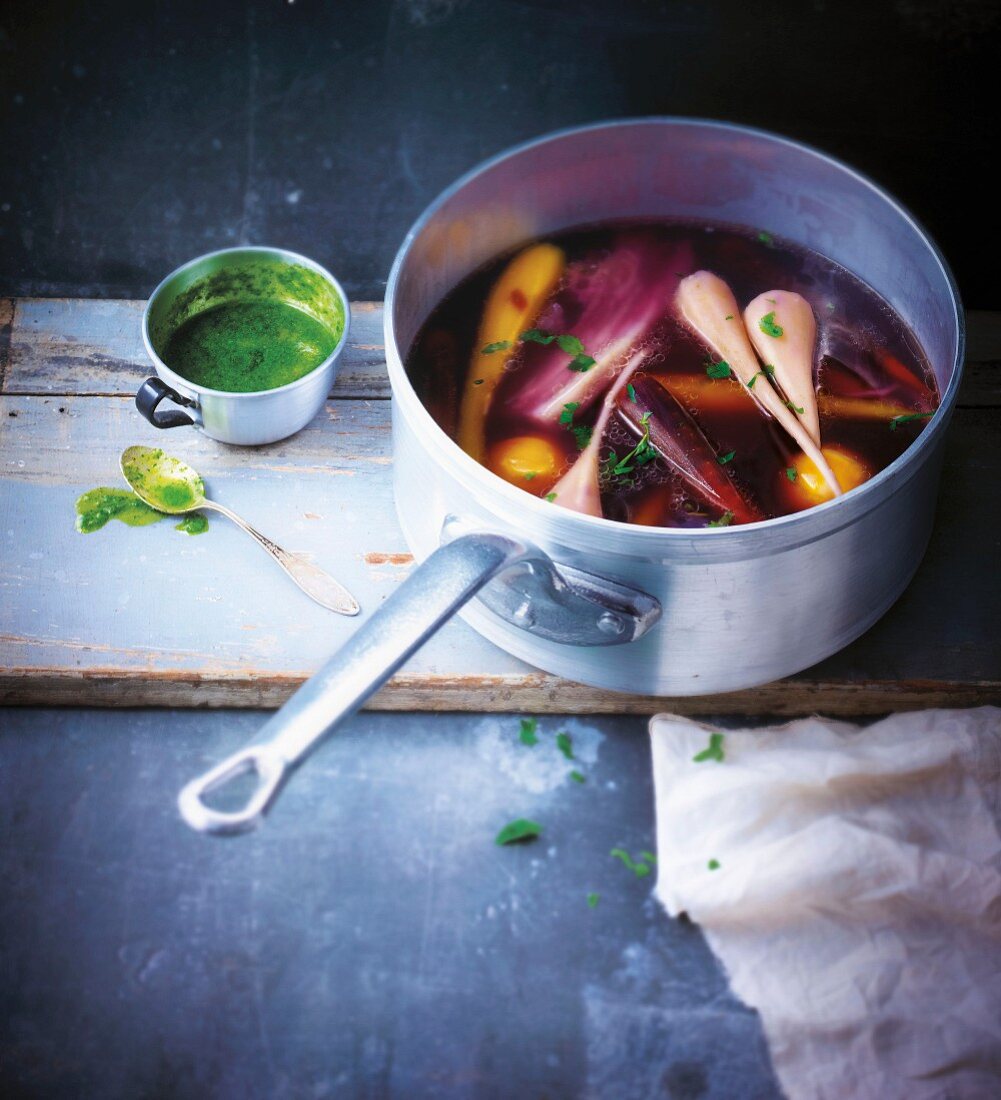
(162, 481)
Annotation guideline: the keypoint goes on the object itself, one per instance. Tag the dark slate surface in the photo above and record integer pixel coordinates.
(371, 941)
(138, 135)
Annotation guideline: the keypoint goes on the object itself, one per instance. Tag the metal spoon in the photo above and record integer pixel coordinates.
(170, 485)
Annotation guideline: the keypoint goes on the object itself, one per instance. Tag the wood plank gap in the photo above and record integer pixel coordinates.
(519, 694)
(8, 307)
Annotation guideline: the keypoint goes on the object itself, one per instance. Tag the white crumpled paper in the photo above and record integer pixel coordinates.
(857, 902)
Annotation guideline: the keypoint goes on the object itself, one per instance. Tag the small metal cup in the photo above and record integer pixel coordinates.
(248, 419)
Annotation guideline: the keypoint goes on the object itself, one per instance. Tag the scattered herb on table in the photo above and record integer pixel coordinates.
(649, 857)
(577, 777)
(724, 459)
(564, 742)
(906, 418)
(640, 868)
(724, 520)
(515, 832)
(592, 900)
(713, 751)
(498, 345)
(527, 735)
(766, 238)
(550, 497)
(713, 865)
(769, 327)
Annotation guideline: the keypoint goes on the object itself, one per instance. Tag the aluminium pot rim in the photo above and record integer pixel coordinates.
(573, 527)
(183, 383)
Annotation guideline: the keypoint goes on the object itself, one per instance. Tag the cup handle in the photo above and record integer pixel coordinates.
(149, 396)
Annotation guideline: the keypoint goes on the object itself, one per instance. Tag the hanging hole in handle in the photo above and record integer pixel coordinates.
(256, 761)
(149, 396)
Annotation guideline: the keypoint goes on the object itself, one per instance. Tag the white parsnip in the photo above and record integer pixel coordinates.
(579, 488)
(791, 354)
(708, 306)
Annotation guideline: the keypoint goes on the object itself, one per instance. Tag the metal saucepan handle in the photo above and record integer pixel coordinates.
(148, 398)
(432, 594)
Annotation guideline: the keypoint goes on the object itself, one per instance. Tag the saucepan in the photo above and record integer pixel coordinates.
(633, 609)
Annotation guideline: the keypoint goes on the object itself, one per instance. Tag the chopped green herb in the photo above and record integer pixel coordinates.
(570, 344)
(592, 900)
(720, 369)
(714, 750)
(768, 369)
(649, 857)
(550, 497)
(529, 475)
(577, 777)
(517, 831)
(582, 434)
(537, 336)
(566, 417)
(713, 865)
(724, 459)
(795, 408)
(772, 300)
(792, 473)
(724, 520)
(638, 867)
(564, 742)
(907, 418)
(631, 390)
(499, 345)
(769, 327)
(728, 317)
(765, 238)
(527, 735)
(615, 468)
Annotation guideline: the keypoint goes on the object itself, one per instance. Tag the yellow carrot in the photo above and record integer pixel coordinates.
(514, 303)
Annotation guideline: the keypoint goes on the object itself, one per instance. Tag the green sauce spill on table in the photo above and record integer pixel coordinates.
(97, 507)
(246, 347)
(196, 524)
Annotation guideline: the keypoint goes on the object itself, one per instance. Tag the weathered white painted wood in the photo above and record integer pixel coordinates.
(135, 616)
(83, 346)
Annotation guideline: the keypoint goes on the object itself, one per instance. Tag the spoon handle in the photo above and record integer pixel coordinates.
(317, 584)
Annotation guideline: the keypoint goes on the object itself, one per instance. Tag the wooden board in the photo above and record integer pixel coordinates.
(135, 617)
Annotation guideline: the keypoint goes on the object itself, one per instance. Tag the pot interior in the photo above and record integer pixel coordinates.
(701, 171)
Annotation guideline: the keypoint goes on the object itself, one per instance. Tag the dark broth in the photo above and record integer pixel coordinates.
(865, 359)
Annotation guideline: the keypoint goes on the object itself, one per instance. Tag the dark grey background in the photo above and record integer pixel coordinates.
(138, 135)
(371, 941)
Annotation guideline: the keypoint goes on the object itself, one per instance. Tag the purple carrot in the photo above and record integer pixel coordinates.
(679, 441)
(610, 306)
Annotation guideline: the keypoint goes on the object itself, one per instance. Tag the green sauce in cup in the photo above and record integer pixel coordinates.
(245, 347)
(254, 325)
